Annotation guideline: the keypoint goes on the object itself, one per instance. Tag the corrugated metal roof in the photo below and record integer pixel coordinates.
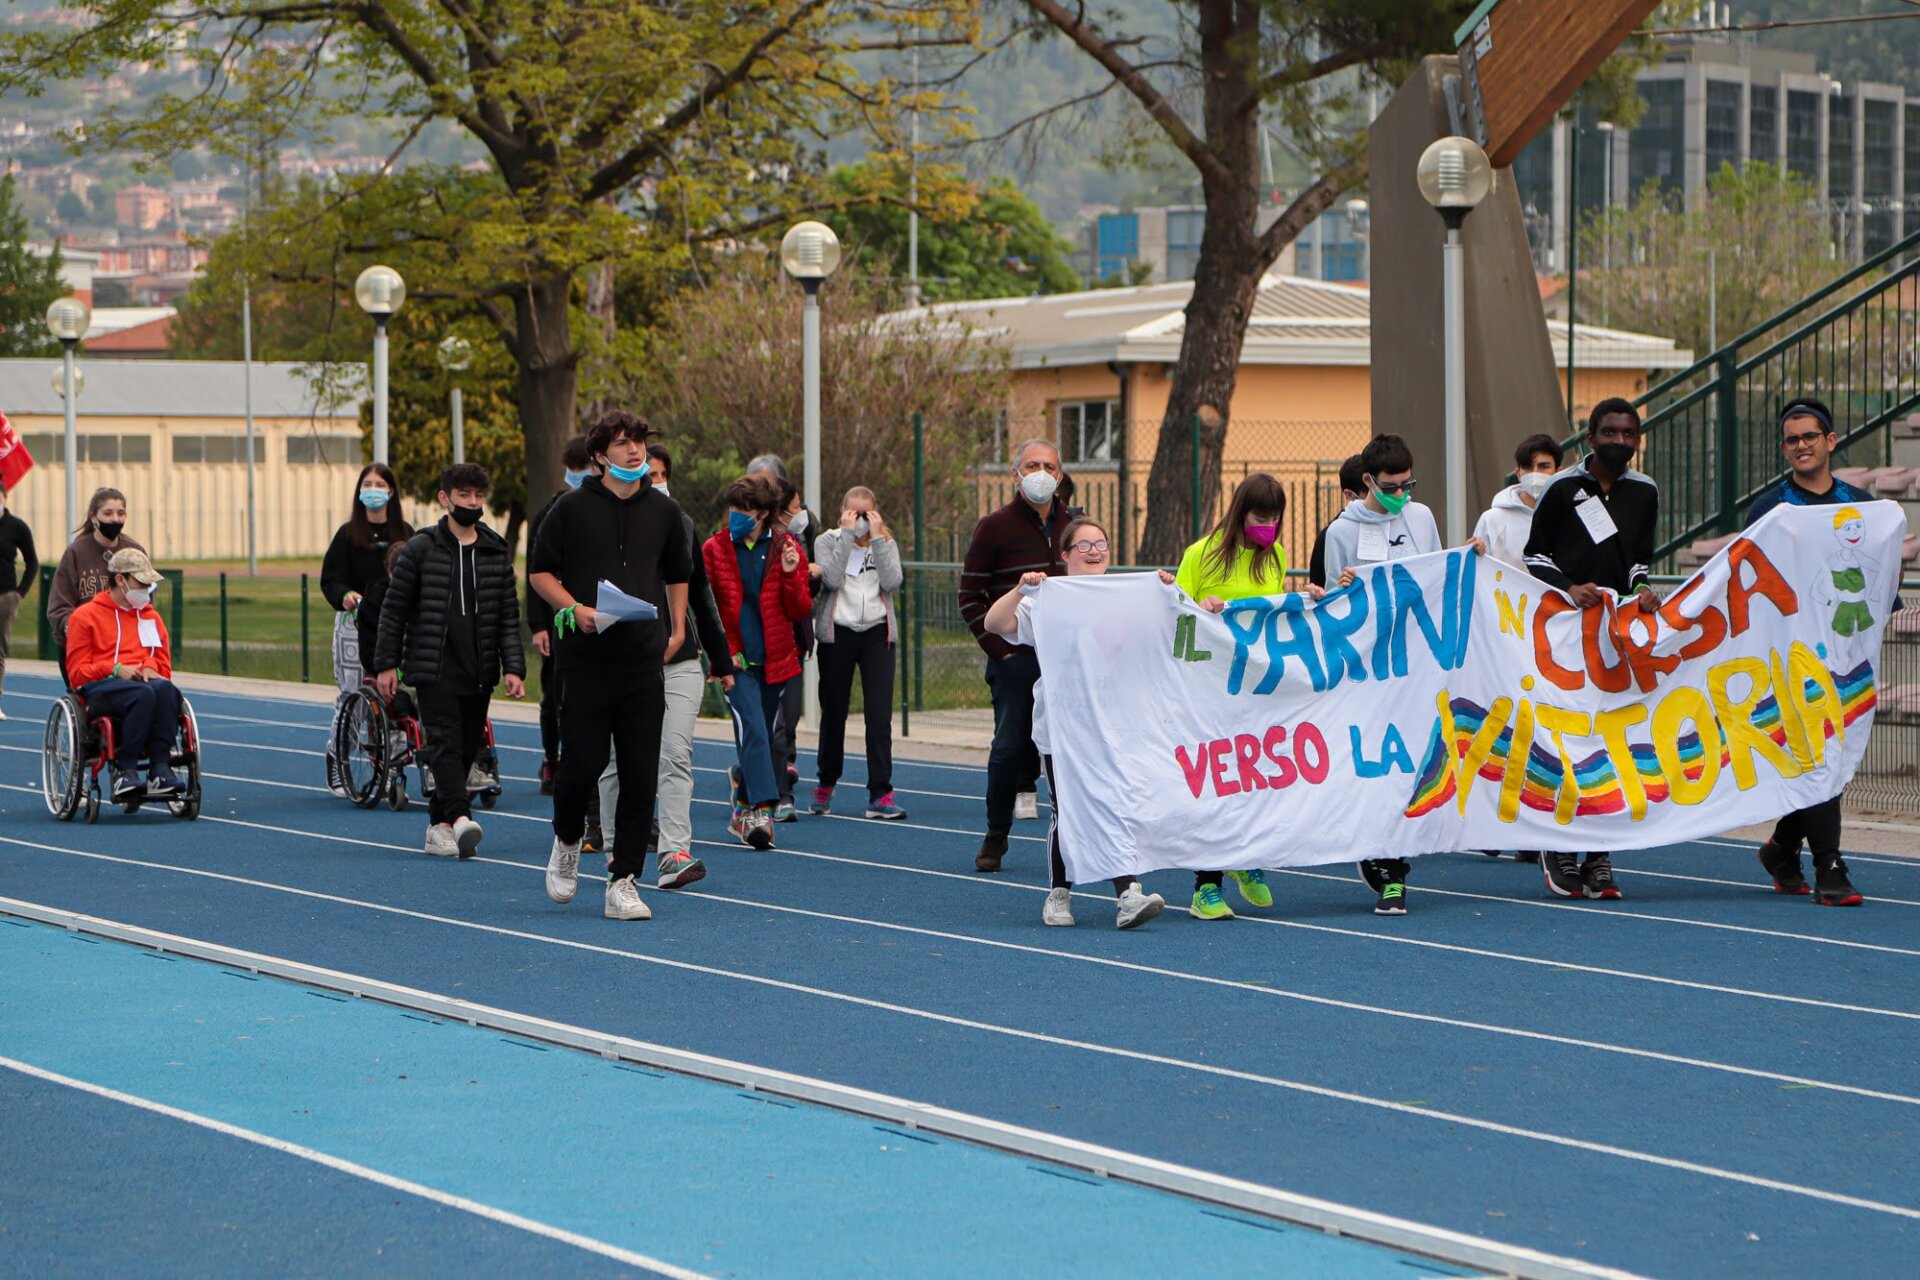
(177, 389)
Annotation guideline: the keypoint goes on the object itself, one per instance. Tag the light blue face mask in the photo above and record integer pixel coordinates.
(576, 478)
(740, 525)
(374, 499)
(628, 475)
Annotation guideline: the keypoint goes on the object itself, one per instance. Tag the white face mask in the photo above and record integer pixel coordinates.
(1038, 486)
(139, 597)
(660, 487)
(797, 523)
(1535, 483)
(861, 527)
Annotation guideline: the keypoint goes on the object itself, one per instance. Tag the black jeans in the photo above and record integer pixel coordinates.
(146, 716)
(454, 721)
(1014, 762)
(1055, 862)
(1818, 825)
(870, 653)
(549, 710)
(625, 709)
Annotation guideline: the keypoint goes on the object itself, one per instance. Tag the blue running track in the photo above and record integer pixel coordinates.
(1705, 1079)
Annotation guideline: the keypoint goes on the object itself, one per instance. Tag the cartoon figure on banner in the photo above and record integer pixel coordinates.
(1845, 589)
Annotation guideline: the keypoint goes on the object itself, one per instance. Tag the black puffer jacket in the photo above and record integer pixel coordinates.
(413, 617)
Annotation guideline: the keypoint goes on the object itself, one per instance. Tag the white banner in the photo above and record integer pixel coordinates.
(1383, 721)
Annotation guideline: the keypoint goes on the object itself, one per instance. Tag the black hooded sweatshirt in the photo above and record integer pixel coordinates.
(639, 544)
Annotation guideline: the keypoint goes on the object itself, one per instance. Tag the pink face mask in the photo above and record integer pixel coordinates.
(1262, 535)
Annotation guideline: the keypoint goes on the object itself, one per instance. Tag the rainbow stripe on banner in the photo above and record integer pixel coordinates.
(1595, 776)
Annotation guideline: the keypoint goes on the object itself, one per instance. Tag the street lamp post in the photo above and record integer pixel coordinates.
(456, 353)
(1455, 176)
(67, 320)
(380, 291)
(810, 252)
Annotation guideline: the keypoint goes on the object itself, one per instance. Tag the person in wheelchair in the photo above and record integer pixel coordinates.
(119, 662)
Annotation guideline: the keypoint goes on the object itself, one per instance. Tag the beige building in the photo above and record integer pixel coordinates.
(171, 435)
(1091, 370)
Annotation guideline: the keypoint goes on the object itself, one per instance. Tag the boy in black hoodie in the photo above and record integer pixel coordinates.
(613, 528)
(452, 618)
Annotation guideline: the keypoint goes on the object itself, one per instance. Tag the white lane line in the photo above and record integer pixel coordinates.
(1750, 885)
(1038, 1037)
(489, 1212)
(1611, 912)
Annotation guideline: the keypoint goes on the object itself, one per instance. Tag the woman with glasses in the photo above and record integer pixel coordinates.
(1084, 550)
(1241, 557)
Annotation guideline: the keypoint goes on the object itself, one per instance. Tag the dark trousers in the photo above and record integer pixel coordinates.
(453, 721)
(623, 709)
(1054, 860)
(869, 652)
(147, 713)
(786, 752)
(1014, 762)
(549, 710)
(1818, 825)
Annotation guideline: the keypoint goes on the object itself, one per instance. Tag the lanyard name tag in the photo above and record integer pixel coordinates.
(1373, 543)
(1594, 515)
(150, 633)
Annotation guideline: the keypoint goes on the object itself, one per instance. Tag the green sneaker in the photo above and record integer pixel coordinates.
(1253, 887)
(1209, 905)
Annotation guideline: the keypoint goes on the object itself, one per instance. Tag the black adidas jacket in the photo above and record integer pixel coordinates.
(1561, 551)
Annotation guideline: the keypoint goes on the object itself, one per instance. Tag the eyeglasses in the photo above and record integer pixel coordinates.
(1087, 547)
(1804, 438)
(1405, 486)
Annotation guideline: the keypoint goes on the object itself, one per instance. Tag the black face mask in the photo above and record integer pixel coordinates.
(465, 516)
(1616, 457)
(109, 529)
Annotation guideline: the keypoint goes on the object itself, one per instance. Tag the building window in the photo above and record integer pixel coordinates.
(1117, 245)
(1763, 125)
(323, 451)
(1883, 224)
(1090, 429)
(1840, 148)
(50, 447)
(1911, 146)
(1654, 156)
(1723, 125)
(211, 449)
(1184, 227)
(1803, 134)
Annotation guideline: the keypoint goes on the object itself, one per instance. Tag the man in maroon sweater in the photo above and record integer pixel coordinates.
(1021, 537)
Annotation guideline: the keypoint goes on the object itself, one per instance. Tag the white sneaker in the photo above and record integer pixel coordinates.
(1026, 805)
(466, 834)
(3, 714)
(563, 870)
(441, 842)
(1059, 908)
(1137, 908)
(623, 900)
(479, 779)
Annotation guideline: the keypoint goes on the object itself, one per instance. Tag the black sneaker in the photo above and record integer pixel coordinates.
(993, 847)
(1528, 855)
(1562, 871)
(127, 784)
(1393, 899)
(1596, 876)
(161, 784)
(1784, 868)
(1375, 876)
(592, 841)
(1833, 889)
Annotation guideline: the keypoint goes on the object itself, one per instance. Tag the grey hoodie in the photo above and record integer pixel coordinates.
(1505, 526)
(1411, 533)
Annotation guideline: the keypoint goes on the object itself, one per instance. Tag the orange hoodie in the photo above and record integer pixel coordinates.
(100, 633)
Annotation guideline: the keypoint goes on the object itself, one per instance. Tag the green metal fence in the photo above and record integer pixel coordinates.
(1711, 430)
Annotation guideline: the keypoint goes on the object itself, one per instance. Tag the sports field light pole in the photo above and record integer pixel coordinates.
(456, 353)
(1455, 176)
(810, 252)
(68, 319)
(380, 291)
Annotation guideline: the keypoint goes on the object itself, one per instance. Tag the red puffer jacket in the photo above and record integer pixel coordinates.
(785, 599)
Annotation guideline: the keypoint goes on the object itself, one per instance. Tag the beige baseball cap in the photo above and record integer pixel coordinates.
(134, 564)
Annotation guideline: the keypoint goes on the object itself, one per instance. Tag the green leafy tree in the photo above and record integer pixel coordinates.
(29, 284)
(975, 242)
(1296, 68)
(615, 133)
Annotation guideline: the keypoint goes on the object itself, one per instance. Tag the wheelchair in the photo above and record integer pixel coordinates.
(375, 742)
(80, 743)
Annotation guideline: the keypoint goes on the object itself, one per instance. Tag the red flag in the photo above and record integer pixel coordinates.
(15, 461)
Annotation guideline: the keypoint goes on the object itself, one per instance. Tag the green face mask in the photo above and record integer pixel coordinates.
(1393, 502)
